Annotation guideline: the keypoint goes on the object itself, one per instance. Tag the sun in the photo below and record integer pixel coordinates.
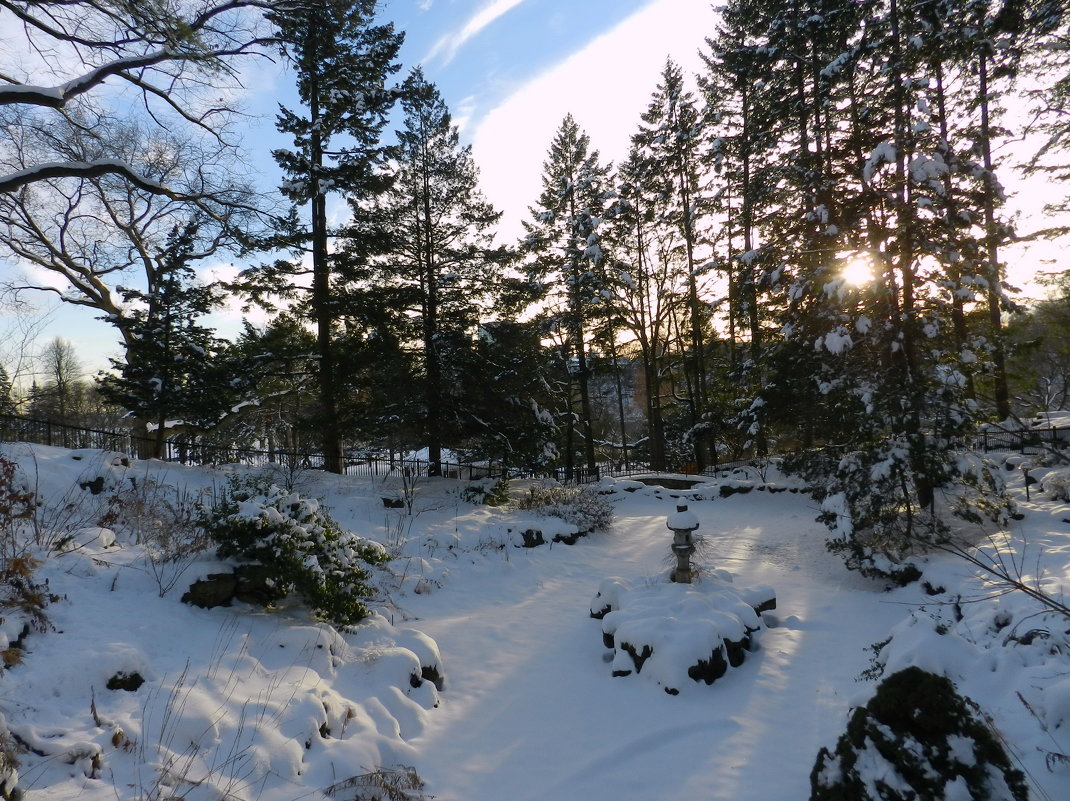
(857, 271)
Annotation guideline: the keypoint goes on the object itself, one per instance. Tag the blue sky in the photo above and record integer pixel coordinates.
(509, 70)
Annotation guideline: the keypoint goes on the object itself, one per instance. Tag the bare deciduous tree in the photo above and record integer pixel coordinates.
(166, 61)
(114, 132)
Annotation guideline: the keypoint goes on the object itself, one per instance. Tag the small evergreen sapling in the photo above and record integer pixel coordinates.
(302, 547)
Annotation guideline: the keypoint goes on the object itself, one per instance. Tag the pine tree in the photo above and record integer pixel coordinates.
(509, 398)
(872, 168)
(438, 264)
(748, 125)
(563, 241)
(278, 367)
(341, 59)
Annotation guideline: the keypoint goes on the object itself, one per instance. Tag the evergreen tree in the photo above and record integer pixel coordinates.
(7, 394)
(669, 141)
(1045, 30)
(1039, 364)
(870, 170)
(438, 265)
(563, 241)
(646, 287)
(278, 365)
(173, 369)
(509, 397)
(747, 126)
(341, 59)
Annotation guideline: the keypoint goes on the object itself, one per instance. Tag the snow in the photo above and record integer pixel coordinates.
(682, 519)
(884, 153)
(835, 342)
(273, 705)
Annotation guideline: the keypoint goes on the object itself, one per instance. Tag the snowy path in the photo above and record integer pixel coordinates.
(531, 698)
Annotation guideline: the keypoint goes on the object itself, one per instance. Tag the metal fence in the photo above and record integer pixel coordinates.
(586, 475)
(45, 432)
(1033, 438)
(192, 451)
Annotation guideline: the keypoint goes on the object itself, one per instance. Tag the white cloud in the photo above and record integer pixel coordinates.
(448, 46)
(605, 86)
(462, 113)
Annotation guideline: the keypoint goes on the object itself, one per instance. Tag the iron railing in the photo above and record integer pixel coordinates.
(191, 451)
(998, 440)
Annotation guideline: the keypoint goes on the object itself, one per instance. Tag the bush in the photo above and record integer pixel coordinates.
(295, 539)
(21, 593)
(1057, 485)
(488, 491)
(886, 509)
(916, 740)
(9, 764)
(581, 506)
(166, 521)
(17, 507)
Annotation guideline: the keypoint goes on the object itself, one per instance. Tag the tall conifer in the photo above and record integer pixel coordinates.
(341, 59)
(438, 262)
(565, 249)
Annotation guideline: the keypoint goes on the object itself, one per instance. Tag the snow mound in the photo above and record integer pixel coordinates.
(670, 632)
(174, 701)
(1056, 483)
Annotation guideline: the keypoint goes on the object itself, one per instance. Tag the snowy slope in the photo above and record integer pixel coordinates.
(269, 704)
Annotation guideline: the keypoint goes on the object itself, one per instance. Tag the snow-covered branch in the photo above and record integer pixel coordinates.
(12, 182)
(59, 96)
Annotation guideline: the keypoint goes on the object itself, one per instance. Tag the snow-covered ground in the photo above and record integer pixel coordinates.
(242, 703)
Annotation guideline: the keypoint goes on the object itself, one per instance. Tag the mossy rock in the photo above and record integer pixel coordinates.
(570, 539)
(128, 682)
(916, 740)
(533, 538)
(94, 486)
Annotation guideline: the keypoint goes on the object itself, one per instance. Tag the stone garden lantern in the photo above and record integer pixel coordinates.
(682, 523)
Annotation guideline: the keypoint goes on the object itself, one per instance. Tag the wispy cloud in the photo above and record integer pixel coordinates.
(448, 46)
(606, 85)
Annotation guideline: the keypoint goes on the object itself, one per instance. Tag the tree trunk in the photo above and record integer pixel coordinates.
(992, 237)
(321, 295)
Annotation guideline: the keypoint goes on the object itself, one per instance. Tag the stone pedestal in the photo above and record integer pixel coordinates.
(682, 523)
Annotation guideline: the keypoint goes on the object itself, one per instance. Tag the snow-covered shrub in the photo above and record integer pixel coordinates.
(1057, 485)
(887, 505)
(402, 782)
(9, 763)
(486, 491)
(295, 538)
(22, 595)
(916, 740)
(583, 507)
